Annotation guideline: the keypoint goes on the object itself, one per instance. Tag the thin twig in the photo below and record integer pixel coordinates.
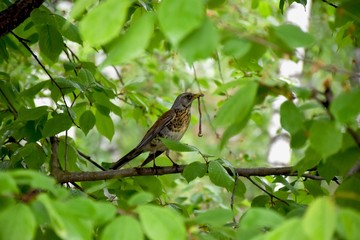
(265, 191)
(119, 75)
(88, 158)
(77, 186)
(11, 107)
(331, 4)
(23, 42)
(236, 177)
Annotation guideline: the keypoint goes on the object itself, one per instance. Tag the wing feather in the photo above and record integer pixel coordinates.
(156, 128)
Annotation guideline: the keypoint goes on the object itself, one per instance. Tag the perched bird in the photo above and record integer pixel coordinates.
(171, 125)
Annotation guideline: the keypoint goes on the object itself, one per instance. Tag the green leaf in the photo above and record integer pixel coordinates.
(194, 170)
(172, 21)
(289, 229)
(161, 223)
(291, 118)
(105, 125)
(310, 160)
(17, 222)
(343, 107)
(34, 179)
(87, 121)
(32, 153)
(214, 217)
(140, 198)
(93, 28)
(348, 193)
(67, 29)
(32, 113)
(293, 36)
(67, 155)
(233, 129)
(178, 146)
(260, 218)
(150, 184)
(8, 184)
(123, 227)
(219, 176)
(237, 47)
(238, 106)
(325, 138)
(207, 35)
(314, 188)
(57, 124)
(105, 211)
(348, 223)
(50, 42)
(133, 43)
(319, 221)
(79, 7)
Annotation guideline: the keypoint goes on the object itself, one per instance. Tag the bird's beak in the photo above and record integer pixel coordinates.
(197, 95)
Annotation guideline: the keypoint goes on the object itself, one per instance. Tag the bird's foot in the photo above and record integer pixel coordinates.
(176, 166)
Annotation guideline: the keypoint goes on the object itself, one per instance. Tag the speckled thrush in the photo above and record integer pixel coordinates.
(171, 125)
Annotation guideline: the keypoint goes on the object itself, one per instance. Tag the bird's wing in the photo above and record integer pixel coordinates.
(157, 127)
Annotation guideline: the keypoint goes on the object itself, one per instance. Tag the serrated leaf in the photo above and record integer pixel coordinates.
(291, 118)
(87, 121)
(93, 28)
(123, 227)
(194, 170)
(67, 29)
(293, 36)
(343, 107)
(325, 138)
(79, 7)
(8, 184)
(133, 43)
(18, 215)
(57, 124)
(140, 198)
(238, 106)
(348, 224)
(319, 221)
(172, 21)
(105, 125)
(214, 217)
(259, 218)
(50, 42)
(208, 35)
(237, 47)
(161, 223)
(32, 113)
(219, 176)
(178, 146)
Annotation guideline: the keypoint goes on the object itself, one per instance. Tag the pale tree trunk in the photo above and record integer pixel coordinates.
(279, 151)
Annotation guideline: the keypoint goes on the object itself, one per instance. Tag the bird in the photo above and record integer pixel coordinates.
(171, 125)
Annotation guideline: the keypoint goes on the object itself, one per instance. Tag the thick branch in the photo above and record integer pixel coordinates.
(132, 172)
(17, 13)
(63, 177)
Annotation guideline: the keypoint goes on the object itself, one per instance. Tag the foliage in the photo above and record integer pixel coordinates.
(98, 73)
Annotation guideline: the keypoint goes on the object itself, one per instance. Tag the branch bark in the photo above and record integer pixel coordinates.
(17, 13)
(63, 177)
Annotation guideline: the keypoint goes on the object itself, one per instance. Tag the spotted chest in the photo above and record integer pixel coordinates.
(174, 130)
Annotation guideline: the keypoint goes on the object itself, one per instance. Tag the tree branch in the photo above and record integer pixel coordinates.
(17, 13)
(63, 177)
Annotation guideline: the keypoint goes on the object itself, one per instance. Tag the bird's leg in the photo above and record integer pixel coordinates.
(167, 153)
(154, 163)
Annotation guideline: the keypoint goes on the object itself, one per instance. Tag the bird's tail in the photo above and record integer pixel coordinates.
(125, 159)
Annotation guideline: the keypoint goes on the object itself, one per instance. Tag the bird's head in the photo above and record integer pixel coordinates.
(185, 100)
